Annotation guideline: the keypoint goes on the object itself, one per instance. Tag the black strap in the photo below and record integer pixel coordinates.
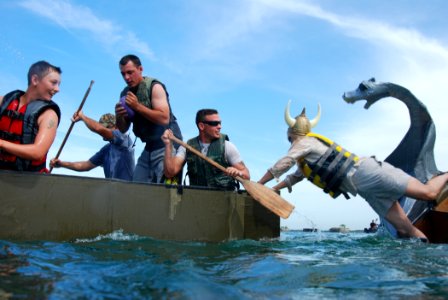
(320, 163)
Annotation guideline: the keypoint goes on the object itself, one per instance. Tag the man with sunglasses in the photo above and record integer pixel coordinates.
(212, 143)
(116, 158)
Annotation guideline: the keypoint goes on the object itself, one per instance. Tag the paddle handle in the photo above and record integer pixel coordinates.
(73, 123)
(266, 196)
(201, 155)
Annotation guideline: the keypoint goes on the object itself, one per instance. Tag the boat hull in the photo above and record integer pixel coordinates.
(61, 207)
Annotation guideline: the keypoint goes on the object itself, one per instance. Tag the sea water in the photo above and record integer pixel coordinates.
(298, 265)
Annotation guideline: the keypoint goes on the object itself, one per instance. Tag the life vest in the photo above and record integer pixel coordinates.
(201, 173)
(20, 126)
(149, 132)
(330, 169)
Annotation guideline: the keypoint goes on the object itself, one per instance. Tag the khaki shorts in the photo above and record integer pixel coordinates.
(380, 184)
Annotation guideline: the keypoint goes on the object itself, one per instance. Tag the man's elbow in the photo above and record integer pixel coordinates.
(37, 156)
(165, 121)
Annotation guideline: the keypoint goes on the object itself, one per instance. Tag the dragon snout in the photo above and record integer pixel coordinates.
(351, 97)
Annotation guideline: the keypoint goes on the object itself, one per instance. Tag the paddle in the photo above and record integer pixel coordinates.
(73, 123)
(266, 196)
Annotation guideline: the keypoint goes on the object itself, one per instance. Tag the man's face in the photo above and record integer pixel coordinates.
(131, 74)
(211, 126)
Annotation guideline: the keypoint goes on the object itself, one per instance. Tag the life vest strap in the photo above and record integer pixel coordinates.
(319, 164)
(9, 136)
(329, 173)
(14, 114)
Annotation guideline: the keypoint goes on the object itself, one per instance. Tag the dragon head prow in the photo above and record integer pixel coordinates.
(368, 90)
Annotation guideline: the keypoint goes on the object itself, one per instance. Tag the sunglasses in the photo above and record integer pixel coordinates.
(212, 123)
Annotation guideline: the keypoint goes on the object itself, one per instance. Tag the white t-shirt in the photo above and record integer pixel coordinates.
(231, 152)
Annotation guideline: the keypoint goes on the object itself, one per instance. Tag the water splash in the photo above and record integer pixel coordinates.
(117, 235)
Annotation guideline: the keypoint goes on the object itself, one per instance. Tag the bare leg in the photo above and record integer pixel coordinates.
(400, 221)
(428, 191)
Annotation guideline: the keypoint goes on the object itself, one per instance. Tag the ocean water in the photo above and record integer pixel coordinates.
(298, 265)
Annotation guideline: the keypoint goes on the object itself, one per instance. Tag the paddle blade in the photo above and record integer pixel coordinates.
(268, 198)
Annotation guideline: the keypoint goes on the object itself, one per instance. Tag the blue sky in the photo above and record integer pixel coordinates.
(246, 59)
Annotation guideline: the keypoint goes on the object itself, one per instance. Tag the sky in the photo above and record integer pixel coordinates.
(246, 59)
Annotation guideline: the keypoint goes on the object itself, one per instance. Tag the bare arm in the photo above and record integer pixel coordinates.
(75, 166)
(160, 112)
(266, 178)
(280, 186)
(47, 124)
(172, 165)
(94, 126)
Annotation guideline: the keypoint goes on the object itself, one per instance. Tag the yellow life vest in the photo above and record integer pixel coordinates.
(331, 168)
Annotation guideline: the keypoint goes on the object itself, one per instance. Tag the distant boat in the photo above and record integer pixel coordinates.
(370, 230)
(373, 227)
(342, 229)
(309, 229)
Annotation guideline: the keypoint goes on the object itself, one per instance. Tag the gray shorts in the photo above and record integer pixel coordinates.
(380, 184)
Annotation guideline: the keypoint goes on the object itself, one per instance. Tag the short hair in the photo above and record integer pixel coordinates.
(200, 115)
(130, 57)
(41, 69)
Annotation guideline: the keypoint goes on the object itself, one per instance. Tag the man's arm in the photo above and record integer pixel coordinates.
(172, 165)
(79, 166)
(47, 125)
(123, 122)
(160, 112)
(94, 126)
(266, 177)
(237, 166)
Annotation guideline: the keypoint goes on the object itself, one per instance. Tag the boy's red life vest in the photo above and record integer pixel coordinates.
(19, 126)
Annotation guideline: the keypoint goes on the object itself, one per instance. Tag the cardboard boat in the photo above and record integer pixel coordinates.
(63, 208)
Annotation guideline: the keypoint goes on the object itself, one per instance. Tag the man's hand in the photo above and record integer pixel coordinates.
(166, 137)
(77, 116)
(233, 172)
(55, 163)
(132, 100)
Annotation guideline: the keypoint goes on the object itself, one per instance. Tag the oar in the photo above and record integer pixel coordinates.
(73, 123)
(266, 196)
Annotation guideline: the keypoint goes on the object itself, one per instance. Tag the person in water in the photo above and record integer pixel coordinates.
(28, 120)
(116, 158)
(145, 103)
(338, 171)
(212, 143)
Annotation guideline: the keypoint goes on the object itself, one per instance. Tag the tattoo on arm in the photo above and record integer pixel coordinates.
(51, 123)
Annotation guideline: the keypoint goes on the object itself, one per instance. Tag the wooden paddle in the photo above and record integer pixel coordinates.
(266, 196)
(73, 123)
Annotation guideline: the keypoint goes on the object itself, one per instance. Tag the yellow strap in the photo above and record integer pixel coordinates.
(330, 142)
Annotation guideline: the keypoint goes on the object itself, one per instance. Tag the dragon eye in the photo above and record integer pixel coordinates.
(362, 87)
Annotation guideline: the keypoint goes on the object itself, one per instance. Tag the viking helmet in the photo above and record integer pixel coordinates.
(301, 125)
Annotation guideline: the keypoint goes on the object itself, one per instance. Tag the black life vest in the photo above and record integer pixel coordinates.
(330, 169)
(201, 173)
(20, 126)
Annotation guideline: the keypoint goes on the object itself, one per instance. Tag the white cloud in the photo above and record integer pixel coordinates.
(77, 17)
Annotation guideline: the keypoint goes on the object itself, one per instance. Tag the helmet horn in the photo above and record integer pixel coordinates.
(289, 120)
(314, 121)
